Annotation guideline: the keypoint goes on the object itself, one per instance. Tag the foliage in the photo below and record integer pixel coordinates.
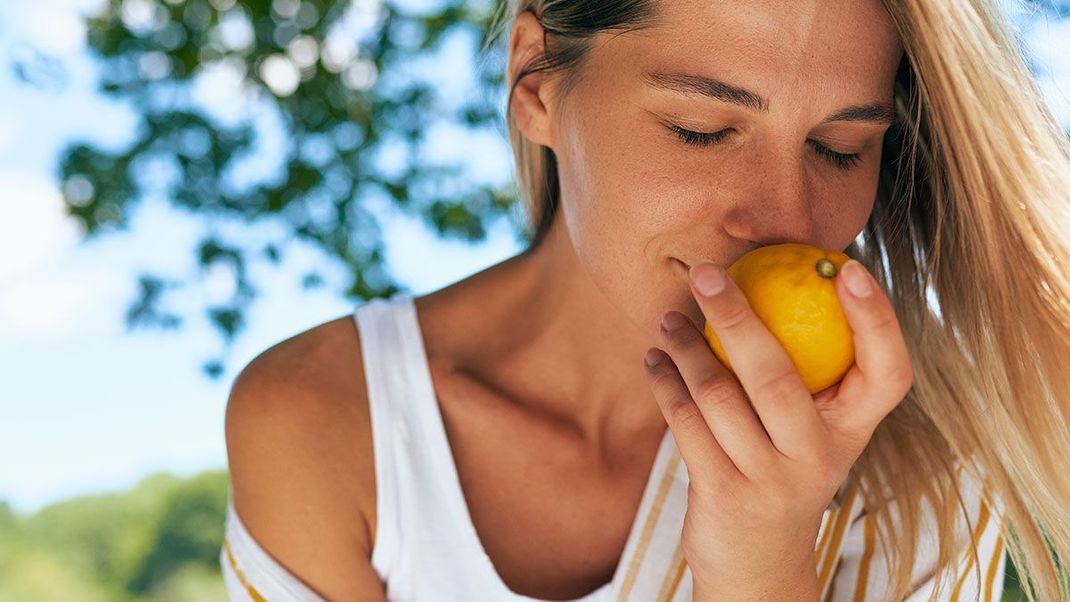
(338, 80)
(158, 541)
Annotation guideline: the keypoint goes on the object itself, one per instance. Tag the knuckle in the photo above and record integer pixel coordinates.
(718, 389)
(778, 387)
(733, 316)
(686, 416)
(885, 320)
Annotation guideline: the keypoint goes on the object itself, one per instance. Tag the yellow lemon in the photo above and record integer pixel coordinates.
(790, 288)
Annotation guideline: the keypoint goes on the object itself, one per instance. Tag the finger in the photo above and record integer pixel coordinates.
(882, 373)
(719, 397)
(706, 462)
(762, 365)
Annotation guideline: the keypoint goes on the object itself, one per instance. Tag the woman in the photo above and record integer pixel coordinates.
(501, 440)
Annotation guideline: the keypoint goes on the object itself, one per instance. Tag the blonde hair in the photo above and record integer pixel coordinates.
(972, 215)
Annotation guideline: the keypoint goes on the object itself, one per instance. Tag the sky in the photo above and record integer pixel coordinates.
(86, 406)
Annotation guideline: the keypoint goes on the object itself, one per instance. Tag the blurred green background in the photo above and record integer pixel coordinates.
(158, 541)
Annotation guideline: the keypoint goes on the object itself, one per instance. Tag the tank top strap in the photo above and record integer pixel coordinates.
(386, 366)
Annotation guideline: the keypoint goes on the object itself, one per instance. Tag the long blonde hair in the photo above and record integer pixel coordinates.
(969, 238)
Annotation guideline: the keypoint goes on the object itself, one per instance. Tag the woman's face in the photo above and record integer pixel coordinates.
(769, 82)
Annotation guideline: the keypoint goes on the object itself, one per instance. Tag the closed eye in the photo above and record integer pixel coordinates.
(843, 161)
(698, 138)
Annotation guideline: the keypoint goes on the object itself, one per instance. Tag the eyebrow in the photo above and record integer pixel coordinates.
(878, 113)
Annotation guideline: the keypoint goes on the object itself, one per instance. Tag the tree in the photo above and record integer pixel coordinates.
(159, 540)
(190, 532)
(333, 74)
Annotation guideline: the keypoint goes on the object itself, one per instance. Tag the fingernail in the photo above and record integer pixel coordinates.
(653, 357)
(857, 280)
(709, 279)
(672, 320)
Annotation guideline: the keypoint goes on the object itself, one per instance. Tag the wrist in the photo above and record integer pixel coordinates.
(792, 594)
(804, 587)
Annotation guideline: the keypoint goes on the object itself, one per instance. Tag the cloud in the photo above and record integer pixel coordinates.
(35, 230)
(41, 297)
(57, 32)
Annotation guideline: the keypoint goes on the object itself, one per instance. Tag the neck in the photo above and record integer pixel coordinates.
(549, 339)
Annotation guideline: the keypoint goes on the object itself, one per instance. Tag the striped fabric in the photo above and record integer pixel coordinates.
(654, 570)
(251, 574)
(652, 563)
(233, 571)
(854, 568)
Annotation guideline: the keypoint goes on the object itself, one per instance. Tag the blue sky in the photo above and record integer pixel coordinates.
(89, 407)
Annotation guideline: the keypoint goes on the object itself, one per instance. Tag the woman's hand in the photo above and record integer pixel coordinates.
(765, 458)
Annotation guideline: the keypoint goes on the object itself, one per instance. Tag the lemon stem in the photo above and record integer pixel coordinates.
(825, 268)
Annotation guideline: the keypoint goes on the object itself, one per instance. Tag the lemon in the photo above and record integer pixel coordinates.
(790, 288)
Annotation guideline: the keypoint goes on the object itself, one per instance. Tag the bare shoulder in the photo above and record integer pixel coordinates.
(301, 463)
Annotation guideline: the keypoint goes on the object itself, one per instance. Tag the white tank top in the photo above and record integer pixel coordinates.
(426, 546)
(427, 549)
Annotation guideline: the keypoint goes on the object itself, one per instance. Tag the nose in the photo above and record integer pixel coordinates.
(774, 203)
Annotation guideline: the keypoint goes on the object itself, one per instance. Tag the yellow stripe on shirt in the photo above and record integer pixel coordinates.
(862, 580)
(985, 521)
(255, 595)
(672, 578)
(837, 538)
(648, 528)
(992, 566)
(832, 585)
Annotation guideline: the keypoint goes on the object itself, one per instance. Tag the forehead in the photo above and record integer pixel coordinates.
(851, 46)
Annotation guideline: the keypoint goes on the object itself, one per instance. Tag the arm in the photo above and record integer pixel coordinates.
(290, 427)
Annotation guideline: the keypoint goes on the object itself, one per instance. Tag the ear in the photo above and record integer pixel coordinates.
(530, 105)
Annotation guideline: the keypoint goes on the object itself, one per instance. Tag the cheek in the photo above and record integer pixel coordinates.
(621, 187)
(623, 235)
(843, 208)
(626, 260)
